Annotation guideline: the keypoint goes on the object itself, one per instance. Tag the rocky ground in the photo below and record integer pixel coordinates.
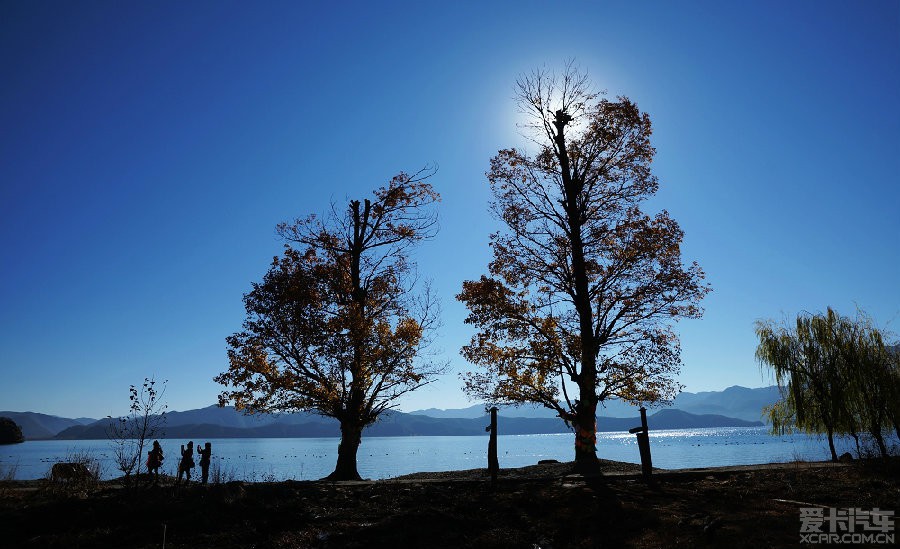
(541, 506)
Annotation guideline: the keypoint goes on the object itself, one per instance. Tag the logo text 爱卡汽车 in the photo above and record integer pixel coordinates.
(850, 525)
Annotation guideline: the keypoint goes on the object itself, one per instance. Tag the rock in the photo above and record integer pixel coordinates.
(845, 457)
(10, 432)
(547, 461)
(70, 472)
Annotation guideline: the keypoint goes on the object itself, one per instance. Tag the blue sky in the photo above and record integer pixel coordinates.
(148, 149)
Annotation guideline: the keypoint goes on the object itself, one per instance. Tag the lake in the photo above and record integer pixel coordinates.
(385, 457)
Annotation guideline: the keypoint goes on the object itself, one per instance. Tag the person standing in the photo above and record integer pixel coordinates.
(187, 461)
(154, 461)
(205, 454)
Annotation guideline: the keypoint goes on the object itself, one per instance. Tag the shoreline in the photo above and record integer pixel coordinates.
(608, 469)
(542, 505)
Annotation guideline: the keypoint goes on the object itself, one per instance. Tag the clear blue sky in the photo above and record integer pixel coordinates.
(148, 149)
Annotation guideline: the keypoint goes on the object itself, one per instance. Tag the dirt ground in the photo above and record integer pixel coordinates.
(542, 506)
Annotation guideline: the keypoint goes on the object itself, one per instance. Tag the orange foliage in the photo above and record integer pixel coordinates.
(336, 326)
(583, 284)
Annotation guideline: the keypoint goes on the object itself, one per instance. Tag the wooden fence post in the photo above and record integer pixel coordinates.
(493, 463)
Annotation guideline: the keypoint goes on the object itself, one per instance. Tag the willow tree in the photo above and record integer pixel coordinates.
(871, 378)
(583, 284)
(836, 374)
(807, 363)
(338, 324)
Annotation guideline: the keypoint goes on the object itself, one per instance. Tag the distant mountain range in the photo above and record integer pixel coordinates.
(735, 402)
(36, 426)
(733, 407)
(394, 423)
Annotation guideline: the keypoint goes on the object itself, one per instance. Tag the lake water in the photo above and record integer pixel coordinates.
(385, 457)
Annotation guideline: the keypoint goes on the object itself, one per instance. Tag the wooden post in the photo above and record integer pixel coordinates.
(643, 440)
(644, 445)
(493, 463)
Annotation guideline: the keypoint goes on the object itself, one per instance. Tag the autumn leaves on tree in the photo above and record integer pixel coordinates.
(338, 325)
(580, 295)
(576, 307)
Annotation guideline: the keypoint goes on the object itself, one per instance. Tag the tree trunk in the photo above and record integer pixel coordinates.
(140, 460)
(876, 434)
(586, 436)
(351, 435)
(351, 419)
(586, 411)
(834, 456)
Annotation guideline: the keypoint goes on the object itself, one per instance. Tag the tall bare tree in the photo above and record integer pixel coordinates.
(583, 284)
(340, 324)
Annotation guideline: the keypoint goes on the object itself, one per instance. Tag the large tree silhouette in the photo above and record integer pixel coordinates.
(338, 325)
(583, 284)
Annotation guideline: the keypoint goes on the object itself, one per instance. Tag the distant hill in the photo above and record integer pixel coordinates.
(228, 417)
(736, 402)
(613, 408)
(97, 431)
(226, 422)
(679, 419)
(41, 426)
(37, 426)
(10, 432)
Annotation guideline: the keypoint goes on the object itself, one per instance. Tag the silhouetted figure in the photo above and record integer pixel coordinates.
(187, 461)
(205, 453)
(154, 461)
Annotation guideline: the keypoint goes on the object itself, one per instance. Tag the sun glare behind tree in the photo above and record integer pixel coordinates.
(584, 285)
